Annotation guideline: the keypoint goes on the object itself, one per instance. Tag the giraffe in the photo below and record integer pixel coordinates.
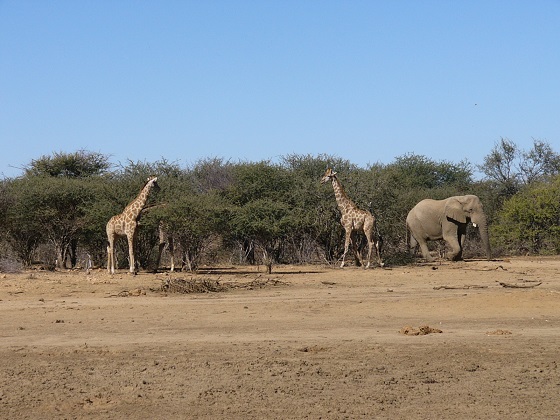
(166, 240)
(354, 220)
(125, 224)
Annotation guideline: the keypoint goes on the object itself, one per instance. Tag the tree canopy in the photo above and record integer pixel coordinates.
(265, 212)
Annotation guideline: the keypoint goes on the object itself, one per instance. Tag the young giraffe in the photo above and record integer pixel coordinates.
(166, 240)
(125, 224)
(353, 220)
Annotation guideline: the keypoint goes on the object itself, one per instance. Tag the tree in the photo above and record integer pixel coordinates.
(530, 220)
(211, 175)
(59, 207)
(47, 209)
(265, 223)
(80, 164)
(499, 165)
(195, 221)
(106, 202)
(260, 199)
(539, 163)
(23, 231)
(57, 196)
(510, 168)
(419, 172)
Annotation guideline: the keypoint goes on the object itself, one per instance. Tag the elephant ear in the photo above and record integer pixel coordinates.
(454, 210)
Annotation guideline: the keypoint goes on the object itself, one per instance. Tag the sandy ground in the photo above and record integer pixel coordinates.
(305, 342)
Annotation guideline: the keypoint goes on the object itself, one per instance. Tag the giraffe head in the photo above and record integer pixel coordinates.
(153, 181)
(138, 204)
(329, 175)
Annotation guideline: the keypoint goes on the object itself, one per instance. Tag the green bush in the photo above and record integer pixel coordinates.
(268, 212)
(529, 222)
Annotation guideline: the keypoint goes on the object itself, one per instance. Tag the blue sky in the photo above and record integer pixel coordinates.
(252, 80)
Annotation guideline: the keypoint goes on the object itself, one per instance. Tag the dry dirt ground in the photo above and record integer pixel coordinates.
(307, 342)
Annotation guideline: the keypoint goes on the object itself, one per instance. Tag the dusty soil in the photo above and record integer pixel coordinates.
(444, 340)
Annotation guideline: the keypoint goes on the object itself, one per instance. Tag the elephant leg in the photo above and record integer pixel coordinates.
(461, 246)
(456, 249)
(425, 251)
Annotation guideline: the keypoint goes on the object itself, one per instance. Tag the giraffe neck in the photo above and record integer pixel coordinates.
(135, 207)
(344, 203)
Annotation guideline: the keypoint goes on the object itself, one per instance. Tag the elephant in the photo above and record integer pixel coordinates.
(446, 219)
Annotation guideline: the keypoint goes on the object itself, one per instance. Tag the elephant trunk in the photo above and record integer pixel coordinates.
(483, 230)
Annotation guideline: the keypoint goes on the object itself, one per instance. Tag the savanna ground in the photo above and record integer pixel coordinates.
(304, 342)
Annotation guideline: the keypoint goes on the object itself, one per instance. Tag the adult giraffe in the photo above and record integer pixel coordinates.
(125, 224)
(353, 220)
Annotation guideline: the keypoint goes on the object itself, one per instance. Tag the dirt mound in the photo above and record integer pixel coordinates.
(498, 332)
(423, 330)
(209, 285)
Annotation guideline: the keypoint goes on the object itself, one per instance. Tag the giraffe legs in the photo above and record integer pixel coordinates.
(111, 257)
(111, 254)
(350, 239)
(161, 246)
(171, 248)
(357, 253)
(347, 240)
(374, 242)
(378, 246)
(370, 247)
(165, 241)
(131, 253)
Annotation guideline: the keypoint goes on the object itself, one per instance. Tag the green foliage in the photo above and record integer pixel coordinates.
(311, 167)
(252, 181)
(6, 201)
(274, 213)
(103, 206)
(508, 168)
(539, 164)
(53, 208)
(265, 221)
(419, 172)
(80, 164)
(22, 229)
(499, 166)
(195, 221)
(212, 175)
(530, 220)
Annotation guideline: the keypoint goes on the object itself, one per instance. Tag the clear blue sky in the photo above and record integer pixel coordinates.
(257, 79)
